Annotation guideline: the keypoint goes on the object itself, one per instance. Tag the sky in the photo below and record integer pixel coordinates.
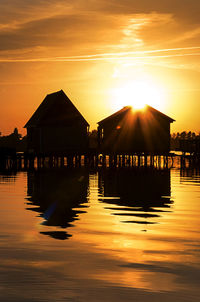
(103, 54)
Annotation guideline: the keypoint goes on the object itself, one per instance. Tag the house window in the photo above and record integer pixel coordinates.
(101, 133)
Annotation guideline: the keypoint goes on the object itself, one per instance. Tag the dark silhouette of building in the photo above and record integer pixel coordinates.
(57, 127)
(60, 196)
(131, 131)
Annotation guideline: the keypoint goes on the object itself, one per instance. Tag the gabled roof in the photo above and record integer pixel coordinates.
(56, 109)
(155, 111)
(128, 109)
(115, 115)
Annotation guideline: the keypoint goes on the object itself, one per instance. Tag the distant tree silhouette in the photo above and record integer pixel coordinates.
(185, 141)
(12, 142)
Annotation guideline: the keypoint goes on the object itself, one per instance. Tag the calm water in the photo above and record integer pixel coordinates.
(78, 235)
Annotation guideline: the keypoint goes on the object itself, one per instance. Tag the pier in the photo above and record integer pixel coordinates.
(25, 161)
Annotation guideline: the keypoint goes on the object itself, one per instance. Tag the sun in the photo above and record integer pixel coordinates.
(138, 94)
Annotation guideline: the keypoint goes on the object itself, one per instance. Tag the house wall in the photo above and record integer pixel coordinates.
(57, 139)
(151, 137)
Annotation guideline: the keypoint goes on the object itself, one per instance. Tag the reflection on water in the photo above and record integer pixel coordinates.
(7, 176)
(190, 175)
(140, 193)
(103, 214)
(59, 196)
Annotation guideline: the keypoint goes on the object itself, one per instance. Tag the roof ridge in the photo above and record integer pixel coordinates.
(47, 103)
(161, 113)
(127, 108)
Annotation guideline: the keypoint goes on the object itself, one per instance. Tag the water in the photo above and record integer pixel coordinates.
(107, 235)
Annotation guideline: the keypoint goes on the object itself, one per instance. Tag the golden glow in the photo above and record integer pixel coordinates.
(125, 45)
(138, 94)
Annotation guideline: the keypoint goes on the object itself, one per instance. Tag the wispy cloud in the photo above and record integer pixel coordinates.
(187, 35)
(170, 52)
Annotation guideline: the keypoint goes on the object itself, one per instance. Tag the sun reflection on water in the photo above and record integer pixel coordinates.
(130, 231)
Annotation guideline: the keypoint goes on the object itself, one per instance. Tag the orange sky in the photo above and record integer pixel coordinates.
(94, 50)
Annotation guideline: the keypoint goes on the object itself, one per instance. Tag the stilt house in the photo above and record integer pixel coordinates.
(57, 127)
(131, 131)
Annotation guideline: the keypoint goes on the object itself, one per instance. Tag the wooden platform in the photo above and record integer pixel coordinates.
(24, 161)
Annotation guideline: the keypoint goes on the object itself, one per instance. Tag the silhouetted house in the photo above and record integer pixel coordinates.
(57, 127)
(131, 131)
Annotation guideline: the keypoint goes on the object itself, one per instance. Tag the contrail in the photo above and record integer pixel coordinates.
(111, 56)
(134, 52)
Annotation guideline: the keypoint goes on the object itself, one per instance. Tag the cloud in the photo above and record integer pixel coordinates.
(155, 53)
(20, 9)
(189, 10)
(188, 35)
(63, 28)
(94, 30)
